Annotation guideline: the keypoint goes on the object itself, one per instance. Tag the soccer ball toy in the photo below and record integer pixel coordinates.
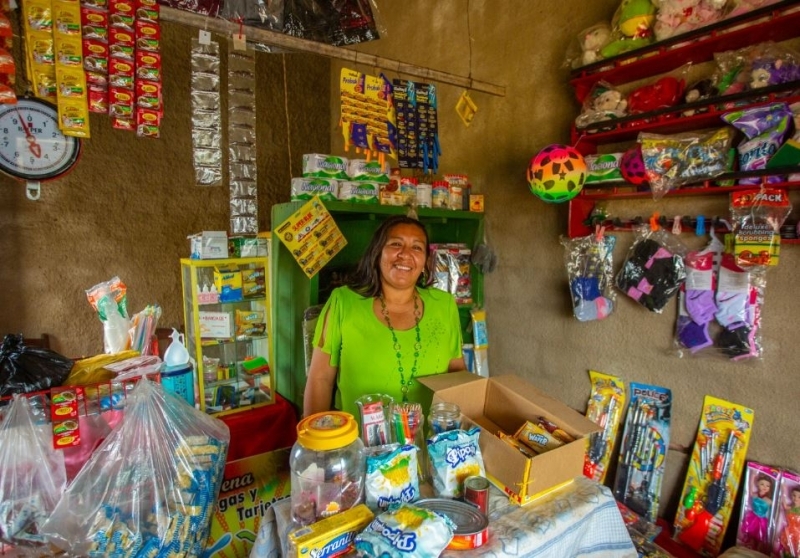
(557, 173)
(632, 166)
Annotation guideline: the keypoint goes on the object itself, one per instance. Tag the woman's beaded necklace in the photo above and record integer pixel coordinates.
(404, 385)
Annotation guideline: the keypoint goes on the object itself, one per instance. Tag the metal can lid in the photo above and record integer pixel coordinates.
(467, 518)
(476, 482)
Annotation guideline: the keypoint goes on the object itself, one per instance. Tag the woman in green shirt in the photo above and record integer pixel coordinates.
(386, 328)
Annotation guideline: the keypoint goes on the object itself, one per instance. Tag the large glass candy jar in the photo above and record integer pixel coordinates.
(327, 465)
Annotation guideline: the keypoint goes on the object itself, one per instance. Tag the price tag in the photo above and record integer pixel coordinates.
(204, 37)
(239, 40)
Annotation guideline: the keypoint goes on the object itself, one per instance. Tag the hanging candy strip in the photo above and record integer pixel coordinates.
(242, 168)
(206, 117)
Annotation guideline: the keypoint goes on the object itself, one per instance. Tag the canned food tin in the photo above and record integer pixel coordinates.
(476, 492)
(472, 526)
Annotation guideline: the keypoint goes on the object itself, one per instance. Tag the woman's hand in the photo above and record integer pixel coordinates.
(457, 365)
(319, 384)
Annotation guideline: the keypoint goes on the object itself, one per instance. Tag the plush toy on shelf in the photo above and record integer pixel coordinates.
(604, 102)
(593, 40)
(740, 7)
(665, 92)
(679, 16)
(632, 27)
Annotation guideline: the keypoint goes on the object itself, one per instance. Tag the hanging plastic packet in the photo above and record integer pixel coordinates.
(696, 301)
(32, 478)
(406, 530)
(242, 168)
(757, 217)
(715, 469)
(653, 270)
(480, 339)
(606, 408)
(206, 113)
(644, 449)
(110, 301)
(739, 300)
(766, 128)
(674, 160)
(454, 455)
(391, 476)
(758, 507)
(589, 263)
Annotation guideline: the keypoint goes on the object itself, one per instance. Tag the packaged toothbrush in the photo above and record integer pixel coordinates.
(644, 449)
(606, 408)
(715, 470)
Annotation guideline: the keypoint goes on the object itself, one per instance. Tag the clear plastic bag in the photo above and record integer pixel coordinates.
(338, 23)
(589, 263)
(32, 478)
(150, 487)
(604, 102)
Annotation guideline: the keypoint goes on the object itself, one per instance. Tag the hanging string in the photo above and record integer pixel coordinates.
(469, 39)
(286, 110)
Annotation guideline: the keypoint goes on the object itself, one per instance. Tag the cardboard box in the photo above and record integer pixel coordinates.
(249, 487)
(208, 245)
(504, 403)
(228, 281)
(215, 325)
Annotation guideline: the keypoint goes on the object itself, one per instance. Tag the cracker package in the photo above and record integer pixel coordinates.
(406, 531)
(149, 489)
(454, 455)
(391, 475)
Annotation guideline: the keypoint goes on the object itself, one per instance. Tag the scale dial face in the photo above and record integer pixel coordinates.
(31, 145)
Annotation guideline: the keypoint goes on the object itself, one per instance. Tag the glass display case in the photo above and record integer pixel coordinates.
(227, 319)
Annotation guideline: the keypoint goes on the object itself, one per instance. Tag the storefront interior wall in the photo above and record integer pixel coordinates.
(521, 45)
(127, 207)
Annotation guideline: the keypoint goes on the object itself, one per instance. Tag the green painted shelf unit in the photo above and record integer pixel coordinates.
(293, 292)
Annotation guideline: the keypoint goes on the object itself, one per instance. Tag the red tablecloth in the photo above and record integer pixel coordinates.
(261, 429)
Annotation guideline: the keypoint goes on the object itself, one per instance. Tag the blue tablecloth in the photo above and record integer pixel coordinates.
(579, 519)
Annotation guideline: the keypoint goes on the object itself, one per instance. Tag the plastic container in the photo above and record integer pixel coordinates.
(443, 417)
(179, 380)
(327, 466)
(176, 354)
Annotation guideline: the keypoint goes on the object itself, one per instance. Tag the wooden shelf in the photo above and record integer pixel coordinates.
(777, 22)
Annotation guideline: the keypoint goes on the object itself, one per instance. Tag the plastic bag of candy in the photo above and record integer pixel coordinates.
(391, 475)
(150, 487)
(765, 128)
(678, 159)
(32, 477)
(406, 530)
(454, 455)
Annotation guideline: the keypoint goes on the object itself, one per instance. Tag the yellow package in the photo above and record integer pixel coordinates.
(606, 408)
(513, 442)
(250, 323)
(92, 370)
(331, 536)
(537, 437)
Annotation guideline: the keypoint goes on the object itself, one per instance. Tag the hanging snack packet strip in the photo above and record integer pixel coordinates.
(606, 407)
(644, 449)
(454, 455)
(406, 531)
(715, 469)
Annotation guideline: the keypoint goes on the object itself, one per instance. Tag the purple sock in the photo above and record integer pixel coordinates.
(692, 335)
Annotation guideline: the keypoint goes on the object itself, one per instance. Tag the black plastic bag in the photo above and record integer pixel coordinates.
(338, 22)
(25, 369)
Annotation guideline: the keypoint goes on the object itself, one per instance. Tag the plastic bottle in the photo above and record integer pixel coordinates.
(176, 354)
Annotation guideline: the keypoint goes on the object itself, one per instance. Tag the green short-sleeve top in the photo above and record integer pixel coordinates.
(361, 347)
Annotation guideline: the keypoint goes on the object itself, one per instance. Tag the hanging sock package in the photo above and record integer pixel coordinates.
(32, 477)
(149, 489)
(653, 270)
(589, 262)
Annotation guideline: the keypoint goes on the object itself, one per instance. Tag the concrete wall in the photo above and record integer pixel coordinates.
(129, 204)
(521, 44)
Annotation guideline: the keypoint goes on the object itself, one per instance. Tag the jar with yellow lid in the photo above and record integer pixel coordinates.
(327, 464)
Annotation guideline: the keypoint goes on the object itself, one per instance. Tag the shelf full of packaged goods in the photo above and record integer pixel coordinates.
(776, 22)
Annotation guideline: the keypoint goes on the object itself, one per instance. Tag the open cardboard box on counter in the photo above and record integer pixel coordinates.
(504, 403)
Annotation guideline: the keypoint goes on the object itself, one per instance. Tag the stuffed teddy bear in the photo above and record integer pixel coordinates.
(592, 40)
(632, 27)
(603, 103)
(679, 16)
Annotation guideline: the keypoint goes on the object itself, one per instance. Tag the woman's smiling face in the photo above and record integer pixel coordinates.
(403, 256)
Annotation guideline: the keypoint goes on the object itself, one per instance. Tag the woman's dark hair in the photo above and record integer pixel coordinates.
(366, 279)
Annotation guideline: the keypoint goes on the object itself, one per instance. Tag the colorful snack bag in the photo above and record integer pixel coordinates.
(537, 438)
(766, 128)
(644, 449)
(758, 216)
(454, 455)
(406, 531)
(606, 407)
(786, 541)
(758, 507)
(709, 492)
(391, 476)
